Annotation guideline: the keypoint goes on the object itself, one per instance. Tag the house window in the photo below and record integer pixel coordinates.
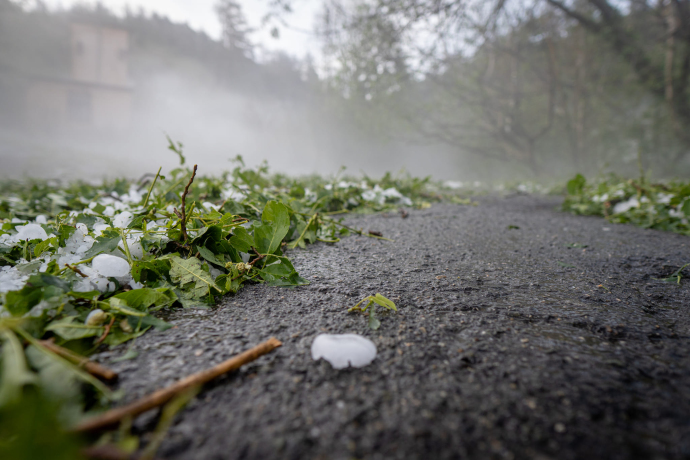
(79, 106)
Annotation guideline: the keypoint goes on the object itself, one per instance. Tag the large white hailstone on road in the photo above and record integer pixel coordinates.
(343, 350)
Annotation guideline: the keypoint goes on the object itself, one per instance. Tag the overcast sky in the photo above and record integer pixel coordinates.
(199, 15)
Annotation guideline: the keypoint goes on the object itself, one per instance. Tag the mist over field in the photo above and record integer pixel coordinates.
(530, 94)
(214, 124)
(215, 101)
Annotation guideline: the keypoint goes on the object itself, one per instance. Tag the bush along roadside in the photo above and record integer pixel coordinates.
(662, 206)
(84, 267)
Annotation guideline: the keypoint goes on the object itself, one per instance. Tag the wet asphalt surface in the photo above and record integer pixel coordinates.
(554, 340)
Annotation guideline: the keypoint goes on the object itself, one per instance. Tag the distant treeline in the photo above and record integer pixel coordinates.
(544, 84)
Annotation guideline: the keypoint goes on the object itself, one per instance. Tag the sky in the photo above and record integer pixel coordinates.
(295, 40)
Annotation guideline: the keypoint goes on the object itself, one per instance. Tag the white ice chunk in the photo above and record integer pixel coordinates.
(31, 232)
(123, 219)
(452, 184)
(210, 206)
(392, 193)
(99, 228)
(664, 198)
(626, 206)
(11, 279)
(343, 350)
(107, 266)
(101, 284)
(676, 213)
(232, 194)
(83, 285)
(41, 219)
(134, 285)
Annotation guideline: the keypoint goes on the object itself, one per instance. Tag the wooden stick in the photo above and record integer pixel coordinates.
(91, 367)
(106, 332)
(76, 270)
(160, 397)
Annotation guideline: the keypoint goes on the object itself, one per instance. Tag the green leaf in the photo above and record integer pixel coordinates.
(384, 302)
(122, 307)
(30, 267)
(230, 282)
(20, 302)
(142, 299)
(87, 220)
(276, 223)
(105, 243)
(293, 280)
(64, 233)
(158, 324)
(56, 379)
(278, 269)
(89, 295)
(15, 373)
(45, 280)
(686, 207)
(68, 329)
(176, 148)
(374, 323)
(576, 184)
(212, 233)
(44, 245)
(118, 336)
(190, 276)
(242, 240)
(149, 271)
(209, 256)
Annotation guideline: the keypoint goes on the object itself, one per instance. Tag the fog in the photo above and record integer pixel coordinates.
(86, 94)
(272, 113)
(214, 125)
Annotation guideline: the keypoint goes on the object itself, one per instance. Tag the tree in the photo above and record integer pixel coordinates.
(519, 81)
(654, 39)
(470, 78)
(235, 28)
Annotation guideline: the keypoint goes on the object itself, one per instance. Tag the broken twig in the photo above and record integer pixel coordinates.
(183, 218)
(160, 397)
(76, 270)
(91, 367)
(106, 332)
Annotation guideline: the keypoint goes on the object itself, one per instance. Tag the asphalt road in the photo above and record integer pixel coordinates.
(553, 340)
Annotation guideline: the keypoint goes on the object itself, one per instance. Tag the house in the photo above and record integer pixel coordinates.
(97, 95)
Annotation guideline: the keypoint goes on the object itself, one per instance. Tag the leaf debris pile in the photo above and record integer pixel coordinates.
(90, 265)
(661, 206)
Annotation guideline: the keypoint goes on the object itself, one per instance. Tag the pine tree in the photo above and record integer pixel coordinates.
(235, 27)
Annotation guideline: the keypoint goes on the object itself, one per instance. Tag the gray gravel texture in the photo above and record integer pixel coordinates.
(509, 343)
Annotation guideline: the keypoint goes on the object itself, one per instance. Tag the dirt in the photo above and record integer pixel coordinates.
(555, 339)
